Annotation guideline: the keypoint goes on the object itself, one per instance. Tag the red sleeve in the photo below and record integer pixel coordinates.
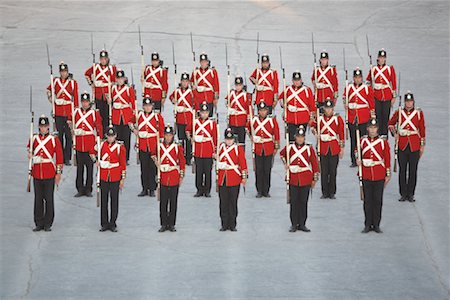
(369, 75)
(422, 125)
(387, 154)
(113, 75)
(123, 158)
(165, 85)
(49, 88)
(283, 153)
(75, 93)
(59, 152)
(314, 162)
(192, 77)
(370, 98)
(253, 75)
(334, 80)
(172, 96)
(249, 103)
(181, 159)
(275, 82)
(341, 131)
(313, 76)
(98, 124)
(242, 160)
(393, 78)
(88, 72)
(276, 130)
(161, 125)
(214, 133)
(311, 101)
(216, 82)
(394, 118)
(344, 91)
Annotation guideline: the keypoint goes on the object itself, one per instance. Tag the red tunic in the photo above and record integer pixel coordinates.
(173, 164)
(300, 104)
(155, 82)
(303, 164)
(103, 76)
(148, 127)
(86, 121)
(113, 161)
(360, 103)
(205, 137)
(205, 85)
(412, 128)
(232, 165)
(265, 134)
(123, 104)
(239, 107)
(47, 154)
(376, 158)
(327, 82)
(384, 83)
(331, 134)
(184, 105)
(266, 85)
(65, 91)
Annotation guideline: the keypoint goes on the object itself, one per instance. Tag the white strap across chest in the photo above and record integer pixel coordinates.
(298, 153)
(325, 125)
(225, 158)
(166, 153)
(201, 128)
(63, 88)
(117, 95)
(322, 76)
(261, 125)
(146, 121)
(152, 75)
(356, 93)
(379, 72)
(408, 120)
(83, 118)
(101, 72)
(367, 145)
(296, 96)
(181, 98)
(262, 77)
(202, 78)
(236, 104)
(42, 146)
(111, 149)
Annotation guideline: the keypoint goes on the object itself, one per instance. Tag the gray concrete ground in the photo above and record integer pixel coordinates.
(262, 260)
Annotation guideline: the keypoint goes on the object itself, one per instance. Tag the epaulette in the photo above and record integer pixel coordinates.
(166, 68)
(119, 142)
(333, 66)
(336, 114)
(96, 109)
(55, 133)
(364, 136)
(384, 137)
(418, 108)
(212, 67)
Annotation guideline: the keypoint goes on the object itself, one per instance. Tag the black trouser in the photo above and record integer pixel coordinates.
(299, 204)
(240, 132)
(373, 201)
(168, 205)
(103, 107)
(203, 168)
(148, 171)
(84, 161)
(408, 162)
(44, 211)
(65, 137)
(157, 106)
(383, 111)
(328, 171)
(352, 131)
(262, 173)
(109, 190)
(292, 129)
(211, 109)
(228, 196)
(124, 135)
(185, 142)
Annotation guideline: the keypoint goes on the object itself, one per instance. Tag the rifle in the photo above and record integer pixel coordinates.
(228, 84)
(136, 115)
(194, 110)
(358, 149)
(315, 90)
(158, 159)
(52, 86)
(193, 139)
(193, 63)
(217, 153)
(346, 96)
(30, 160)
(370, 60)
(98, 170)
(286, 131)
(141, 46)
(93, 67)
(398, 123)
(74, 159)
(175, 103)
(257, 69)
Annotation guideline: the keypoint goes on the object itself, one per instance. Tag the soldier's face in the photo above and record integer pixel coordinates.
(265, 64)
(64, 74)
(239, 87)
(297, 82)
(299, 139)
(229, 142)
(381, 60)
(204, 64)
(111, 138)
(409, 104)
(328, 111)
(372, 130)
(44, 128)
(121, 80)
(155, 62)
(168, 138)
(263, 113)
(204, 115)
(324, 62)
(184, 83)
(104, 60)
(85, 104)
(357, 79)
(148, 108)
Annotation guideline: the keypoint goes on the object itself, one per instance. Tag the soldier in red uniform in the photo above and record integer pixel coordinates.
(331, 148)
(265, 134)
(205, 84)
(87, 124)
(113, 166)
(376, 173)
(304, 173)
(233, 172)
(171, 164)
(324, 79)
(300, 105)
(155, 82)
(239, 104)
(204, 136)
(384, 83)
(361, 108)
(150, 127)
(123, 99)
(265, 80)
(47, 160)
(411, 144)
(65, 92)
(183, 101)
(101, 77)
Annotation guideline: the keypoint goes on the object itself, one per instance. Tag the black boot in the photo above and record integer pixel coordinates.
(162, 229)
(366, 229)
(377, 229)
(402, 199)
(198, 194)
(143, 193)
(411, 198)
(293, 229)
(303, 228)
(152, 193)
(79, 194)
(38, 228)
